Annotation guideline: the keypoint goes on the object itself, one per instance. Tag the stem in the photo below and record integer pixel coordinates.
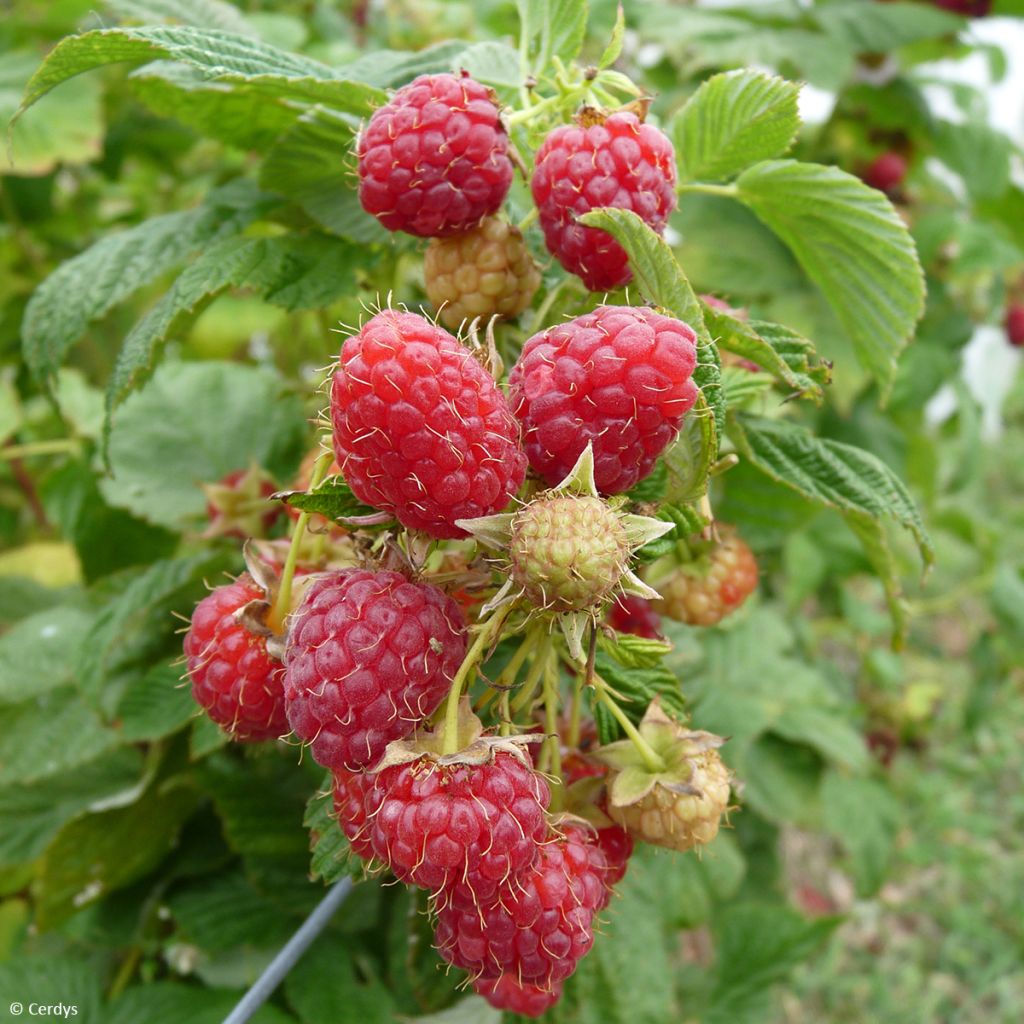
(528, 219)
(712, 190)
(283, 602)
(474, 656)
(583, 680)
(554, 746)
(509, 672)
(525, 695)
(57, 446)
(652, 759)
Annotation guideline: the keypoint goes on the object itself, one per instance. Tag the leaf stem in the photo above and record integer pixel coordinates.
(488, 633)
(510, 671)
(525, 695)
(56, 446)
(283, 601)
(528, 219)
(652, 759)
(553, 743)
(732, 191)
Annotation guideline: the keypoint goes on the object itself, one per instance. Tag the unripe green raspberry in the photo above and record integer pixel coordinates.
(483, 273)
(568, 553)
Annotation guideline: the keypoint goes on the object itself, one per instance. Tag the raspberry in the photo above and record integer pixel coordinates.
(420, 428)
(485, 272)
(234, 678)
(968, 8)
(1015, 323)
(459, 830)
(433, 161)
(538, 930)
(618, 378)
(506, 993)
(617, 846)
(622, 163)
(568, 553)
(350, 789)
(702, 593)
(630, 614)
(886, 172)
(239, 505)
(369, 656)
(679, 801)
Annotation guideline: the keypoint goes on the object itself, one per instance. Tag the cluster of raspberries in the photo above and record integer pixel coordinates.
(435, 161)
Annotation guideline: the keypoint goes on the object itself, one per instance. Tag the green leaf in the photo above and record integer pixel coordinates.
(168, 1002)
(66, 129)
(865, 817)
(633, 651)
(159, 704)
(98, 853)
(777, 349)
(979, 154)
(614, 47)
(312, 165)
(830, 473)
(221, 56)
(39, 653)
(347, 999)
(389, 69)
(49, 735)
(200, 13)
(548, 29)
(879, 28)
(660, 279)
(639, 686)
(249, 120)
(332, 856)
(51, 980)
(757, 946)
(735, 119)
(493, 63)
(852, 244)
(137, 626)
(781, 781)
(293, 271)
(333, 498)
(689, 459)
(89, 285)
(34, 813)
(875, 541)
(194, 423)
(827, 731)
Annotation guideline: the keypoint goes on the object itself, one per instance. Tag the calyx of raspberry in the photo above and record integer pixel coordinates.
(569, 551)
(241, 504)
(472, 746)
(678, 802)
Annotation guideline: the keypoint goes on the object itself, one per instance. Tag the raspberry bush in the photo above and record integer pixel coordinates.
(490, 469)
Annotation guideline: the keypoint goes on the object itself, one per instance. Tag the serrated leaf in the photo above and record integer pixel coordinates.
(691, 455)
(34, 813)
(312, 165)
(735, 119)
(864, 816)
(852, 244)
(872, 536)
(827, 731)
(292, 271)
(980, 154)
(884, 27)
(332, 857)
(51, 734)
(157, 705)
(249, 120)
(39, 653)
(757, 947)
(639, 686)
(389, 69)
(333, 498)
(633, 651)
(90, 284)
(50, 980)
(216, 14)
(614, 47)
(221, 56)
(347, 999)
(99, 853)
(493, 63)
(830, 473)
(195, 423)
(778, 349)
(548, 29)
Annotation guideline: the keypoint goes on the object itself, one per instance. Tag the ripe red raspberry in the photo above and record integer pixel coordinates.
(486, 272)
(239, 505)
(968, 8)
(621, 162)
(433, 161)
(538, 930)
(420, 428)
(507, 993)
(460, 830)
(631, 614)
(369, 656)
(350, 789)
(620, 378)
(886, 172)
(1015, 323)
(234, 678)
(703, 592)
(617, 846)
